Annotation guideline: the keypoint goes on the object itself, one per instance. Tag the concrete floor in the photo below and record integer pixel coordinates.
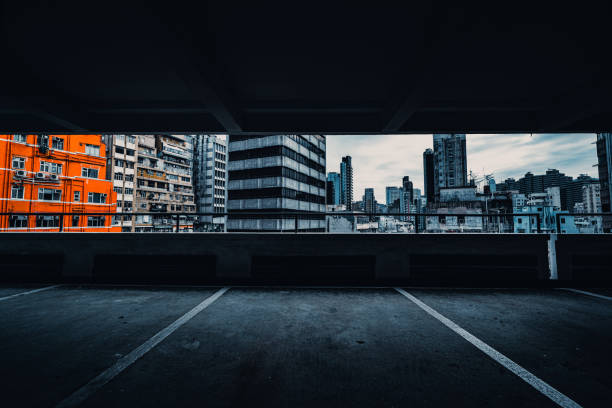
(302, 347)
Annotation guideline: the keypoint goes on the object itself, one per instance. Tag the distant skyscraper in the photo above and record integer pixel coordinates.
(346, 182)
(369, 202)
(450, 161)
(333, 188)
(428, 174)
(392, 194)
(407, 186)
(604, 156)
(276, 173)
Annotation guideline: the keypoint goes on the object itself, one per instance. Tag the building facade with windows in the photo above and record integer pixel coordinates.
(164, 183)
(392, 194)
(346, 182)
(450, 162)
(276, 173)
(428, 175)
(121, 157)
(369, 202)
(333, 188)
(210, 181)
(55, 174)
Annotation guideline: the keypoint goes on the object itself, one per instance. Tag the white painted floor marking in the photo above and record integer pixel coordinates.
(80, 395)
(584, 292)
(546, 389)
(29, 292)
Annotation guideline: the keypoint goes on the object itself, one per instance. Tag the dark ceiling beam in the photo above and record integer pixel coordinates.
(440, 28)
(575, 106)
(193, 66)
(33, 96)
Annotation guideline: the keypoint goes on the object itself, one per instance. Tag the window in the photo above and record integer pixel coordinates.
(48, 194)
(89, 173)
(129, 177)
(129, 190)
(562, 220)
(93, 150)
(49, 167)
(97, 198)
(47, 221)
(127, 205)
(57, 143)
(19, 138)
(118, 190)
(18, 221)
(17, 191)
(119, 176)
(118, 163)
(75, 220)
(95, 221)
(131, 139)
(77, 195)
(18, 162)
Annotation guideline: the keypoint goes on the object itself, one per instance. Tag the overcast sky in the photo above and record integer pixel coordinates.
(382, 160)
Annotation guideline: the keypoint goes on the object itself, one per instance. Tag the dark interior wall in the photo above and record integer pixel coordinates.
(199, 258)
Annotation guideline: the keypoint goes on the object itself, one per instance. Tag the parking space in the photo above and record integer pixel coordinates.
(7, 292)
(301, 347)
(274, 347)
(562, 337)
(53, 342)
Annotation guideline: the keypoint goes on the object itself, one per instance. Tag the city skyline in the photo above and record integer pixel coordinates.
(382, 160)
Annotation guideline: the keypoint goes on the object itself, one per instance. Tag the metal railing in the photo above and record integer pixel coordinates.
(295, 215)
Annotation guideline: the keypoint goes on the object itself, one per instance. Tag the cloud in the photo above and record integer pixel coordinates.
(382, 160)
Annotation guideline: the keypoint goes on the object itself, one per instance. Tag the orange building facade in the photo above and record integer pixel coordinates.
(55, 174)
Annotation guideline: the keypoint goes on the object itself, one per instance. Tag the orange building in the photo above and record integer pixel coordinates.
(55, 174)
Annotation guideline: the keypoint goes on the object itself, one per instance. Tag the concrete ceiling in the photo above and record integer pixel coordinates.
(296, 67)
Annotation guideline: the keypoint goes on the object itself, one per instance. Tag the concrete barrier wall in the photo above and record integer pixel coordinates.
(584, 259)
(466, 259)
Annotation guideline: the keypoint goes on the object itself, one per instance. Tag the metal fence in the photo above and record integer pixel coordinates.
(415, 222)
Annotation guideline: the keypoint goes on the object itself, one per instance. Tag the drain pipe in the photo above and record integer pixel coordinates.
(552, 256)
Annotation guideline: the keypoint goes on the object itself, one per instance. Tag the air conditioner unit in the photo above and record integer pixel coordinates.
(40, 175)
(20, 173)
(54, 177)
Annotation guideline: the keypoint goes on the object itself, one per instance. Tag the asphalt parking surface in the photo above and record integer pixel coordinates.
(300, 347)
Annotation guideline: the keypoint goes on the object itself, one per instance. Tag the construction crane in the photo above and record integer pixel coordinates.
(478, 180)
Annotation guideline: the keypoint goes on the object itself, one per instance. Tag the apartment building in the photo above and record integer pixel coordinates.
(55, 174)
(210, 177)
(164, 183)
(121, 157)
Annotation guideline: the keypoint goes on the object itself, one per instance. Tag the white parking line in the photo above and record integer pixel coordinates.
(98, 382)
(546, 389)
(29, 292)
(584, 292)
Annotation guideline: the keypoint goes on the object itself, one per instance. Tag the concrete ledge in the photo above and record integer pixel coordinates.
(584, 259)
(466, 259)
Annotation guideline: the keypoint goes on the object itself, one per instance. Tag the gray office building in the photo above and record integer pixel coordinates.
(276, 173)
